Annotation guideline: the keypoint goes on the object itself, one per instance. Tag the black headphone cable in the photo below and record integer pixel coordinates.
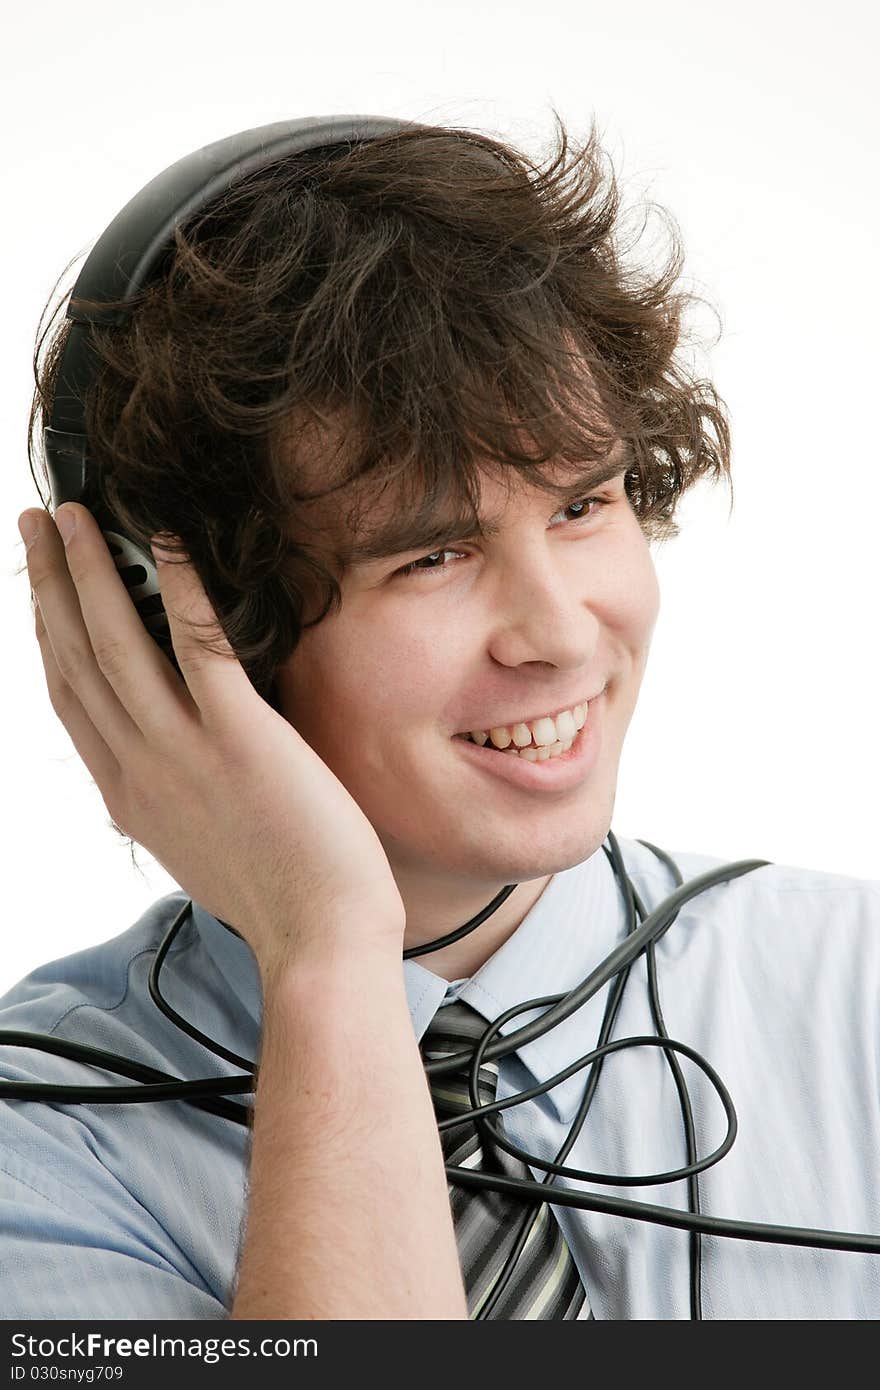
(209, 1093)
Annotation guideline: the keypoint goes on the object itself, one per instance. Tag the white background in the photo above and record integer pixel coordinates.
(756, 126)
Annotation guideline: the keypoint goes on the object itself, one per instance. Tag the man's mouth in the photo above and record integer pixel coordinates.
(535, 740)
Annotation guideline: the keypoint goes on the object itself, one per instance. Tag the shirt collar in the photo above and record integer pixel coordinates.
(576, 921)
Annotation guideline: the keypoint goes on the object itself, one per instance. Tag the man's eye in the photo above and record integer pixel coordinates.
(420, 567)
(415, 566)
(582, 501)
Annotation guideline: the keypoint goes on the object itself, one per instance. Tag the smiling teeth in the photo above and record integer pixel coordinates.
(554, 735)
(539, 755)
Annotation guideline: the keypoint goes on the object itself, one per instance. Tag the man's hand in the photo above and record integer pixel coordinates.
(218, 787)
(348, 1208)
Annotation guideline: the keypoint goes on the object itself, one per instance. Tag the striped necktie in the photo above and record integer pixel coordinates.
(545, 1282)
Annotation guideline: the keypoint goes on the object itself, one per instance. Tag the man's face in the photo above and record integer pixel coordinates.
(556, 607)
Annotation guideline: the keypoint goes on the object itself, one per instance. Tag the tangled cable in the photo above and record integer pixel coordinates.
(209, 1093)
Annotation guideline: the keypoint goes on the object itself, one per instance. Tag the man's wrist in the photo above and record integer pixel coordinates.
(329, 957)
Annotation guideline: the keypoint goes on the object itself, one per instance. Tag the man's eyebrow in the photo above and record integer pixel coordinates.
(403, 533)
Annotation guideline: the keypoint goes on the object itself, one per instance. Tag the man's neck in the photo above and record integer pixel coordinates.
(427, 922)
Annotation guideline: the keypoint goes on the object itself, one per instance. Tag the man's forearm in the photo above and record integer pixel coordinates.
(348, 1214)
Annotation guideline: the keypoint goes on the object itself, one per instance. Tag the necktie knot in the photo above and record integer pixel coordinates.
(457, 1024)
(456, 1028)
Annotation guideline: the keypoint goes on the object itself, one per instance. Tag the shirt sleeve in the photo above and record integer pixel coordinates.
(65, 1254)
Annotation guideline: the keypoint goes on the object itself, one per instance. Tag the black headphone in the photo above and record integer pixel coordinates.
(131, 250)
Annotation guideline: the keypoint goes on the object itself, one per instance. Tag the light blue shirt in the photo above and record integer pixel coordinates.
(137, 1211)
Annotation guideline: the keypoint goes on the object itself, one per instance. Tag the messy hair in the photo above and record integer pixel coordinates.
(405, 312)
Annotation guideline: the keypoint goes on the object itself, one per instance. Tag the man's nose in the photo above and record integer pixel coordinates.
(544, 613)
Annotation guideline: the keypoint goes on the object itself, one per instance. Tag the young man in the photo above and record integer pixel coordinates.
(440, 391)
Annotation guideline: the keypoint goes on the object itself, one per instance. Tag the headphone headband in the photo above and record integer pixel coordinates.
(136, 241)
(131, 250)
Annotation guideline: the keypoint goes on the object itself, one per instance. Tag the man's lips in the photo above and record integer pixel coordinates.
(555, 773)
(529, 719)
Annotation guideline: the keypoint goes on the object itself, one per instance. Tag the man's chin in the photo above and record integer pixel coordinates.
(518, 863)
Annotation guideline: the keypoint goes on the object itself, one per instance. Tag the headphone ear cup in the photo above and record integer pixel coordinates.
(140, 577)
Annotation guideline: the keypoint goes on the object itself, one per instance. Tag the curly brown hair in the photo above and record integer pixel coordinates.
(404, 311)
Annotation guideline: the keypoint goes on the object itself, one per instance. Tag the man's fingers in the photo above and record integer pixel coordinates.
(67, 651)
(122, 652)
(122, 678)
(216, 679)
(84, 736)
